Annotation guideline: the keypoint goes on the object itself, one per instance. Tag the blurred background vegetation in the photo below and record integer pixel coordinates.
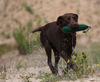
(19, 17)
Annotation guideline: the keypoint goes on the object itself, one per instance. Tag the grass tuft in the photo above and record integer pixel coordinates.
(28, 8)
(26, 78)
(84, 69)
(4, 48)
(22, 41)
(23, 38)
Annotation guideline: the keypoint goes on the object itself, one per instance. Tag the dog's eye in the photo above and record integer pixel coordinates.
(75, 18)
(68, 18)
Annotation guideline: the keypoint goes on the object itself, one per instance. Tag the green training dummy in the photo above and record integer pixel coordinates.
(80, 27)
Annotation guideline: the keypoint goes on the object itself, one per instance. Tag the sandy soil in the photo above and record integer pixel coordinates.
(14, 66)
(88, 11)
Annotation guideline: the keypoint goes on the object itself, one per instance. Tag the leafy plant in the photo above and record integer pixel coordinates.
(84, 69)
(83, 66)
(23, 37)
(5, 48)
(19, 65)
(5, 15)
(23, 34)
(94, 50)
(78, 8)
(28, 7)
(7, 36)
(21, 40)
(3, 75)
(26, 78)
(47, 77)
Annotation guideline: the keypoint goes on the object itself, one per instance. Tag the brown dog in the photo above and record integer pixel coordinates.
(61, 43)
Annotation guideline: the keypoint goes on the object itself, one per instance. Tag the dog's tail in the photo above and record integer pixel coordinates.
(38, 29)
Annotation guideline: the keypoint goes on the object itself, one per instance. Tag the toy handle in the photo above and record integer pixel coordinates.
(85, 31)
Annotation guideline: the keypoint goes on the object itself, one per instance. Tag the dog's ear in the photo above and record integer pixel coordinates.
(76, 16)
(60, 20)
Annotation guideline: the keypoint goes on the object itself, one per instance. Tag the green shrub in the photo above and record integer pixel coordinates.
(26, 78)
(84, 69)
(81, 60)
(83, 66)
(7, 36)
(21, 40)
(19, 65)
(23, 34)
(28, 8)
(48, 77)
(24, 40)
(94, 52)
(4, 48)
(5, 15)
(23, 37)
(3, 75)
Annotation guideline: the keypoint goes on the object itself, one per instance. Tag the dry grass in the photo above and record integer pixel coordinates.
(28, 68)
(48, 9)
(40, 12)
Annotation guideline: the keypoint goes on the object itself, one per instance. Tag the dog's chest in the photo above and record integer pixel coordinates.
(67, 43)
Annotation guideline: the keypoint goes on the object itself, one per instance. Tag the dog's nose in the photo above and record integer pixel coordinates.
(75, 25)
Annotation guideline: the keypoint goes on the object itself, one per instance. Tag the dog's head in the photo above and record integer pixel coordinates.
(69, 19)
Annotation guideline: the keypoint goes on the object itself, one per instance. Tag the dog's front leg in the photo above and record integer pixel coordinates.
(69, 62)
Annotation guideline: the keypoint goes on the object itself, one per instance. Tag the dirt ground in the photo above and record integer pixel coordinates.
(13, 66)
(88, 11)
(18, 66)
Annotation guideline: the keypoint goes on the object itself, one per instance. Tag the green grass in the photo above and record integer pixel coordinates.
(3, 75)
(19, 65)
(5, 15)
(28, 8)
(48, 77)
(24, 38)
(26, 78)
(6, 3)
(7, 36)
(84, 69)
(22, 34)
(5, 48)
(92, 51)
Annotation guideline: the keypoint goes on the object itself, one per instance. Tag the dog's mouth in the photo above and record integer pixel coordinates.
(73, 26)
